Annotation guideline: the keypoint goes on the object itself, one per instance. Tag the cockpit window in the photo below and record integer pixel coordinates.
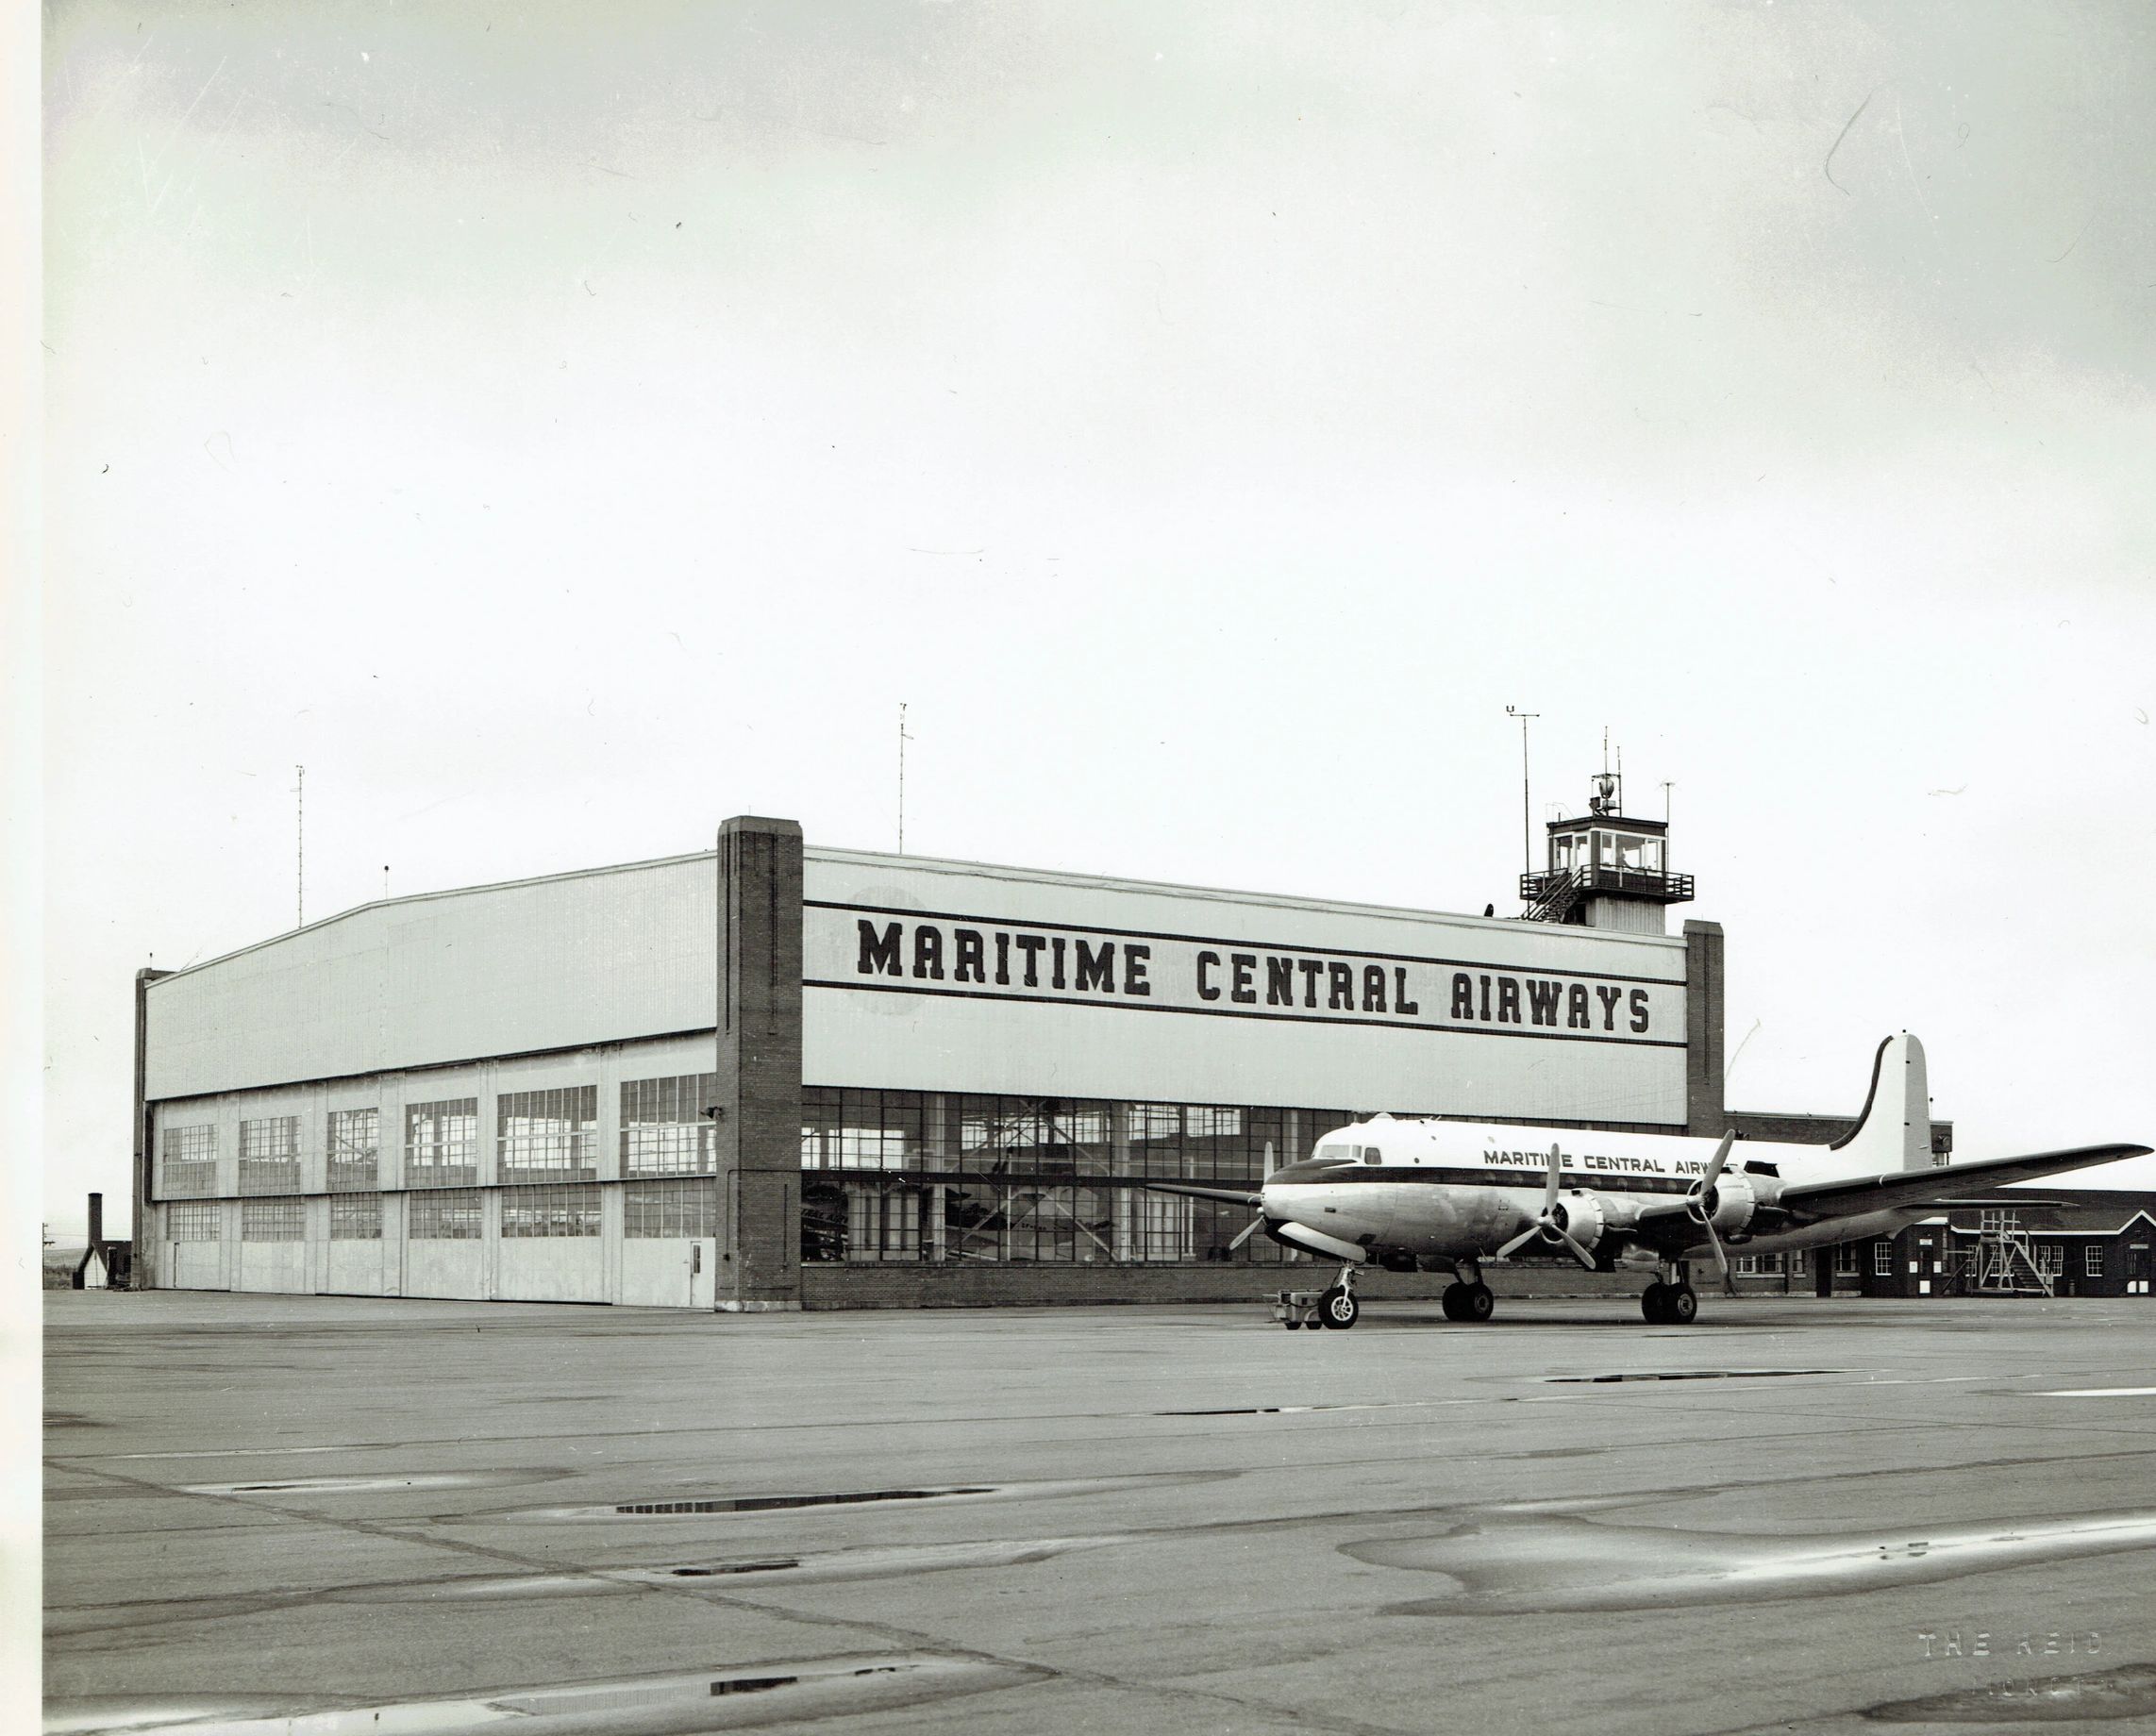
(1372, 1155)
(1338, 1153)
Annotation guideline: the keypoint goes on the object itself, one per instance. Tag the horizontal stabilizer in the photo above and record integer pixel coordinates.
(1908, 1189)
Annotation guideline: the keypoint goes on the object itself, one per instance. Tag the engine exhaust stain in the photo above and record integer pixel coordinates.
(1512, 1564)
(678, 1704)
(2127, 1692)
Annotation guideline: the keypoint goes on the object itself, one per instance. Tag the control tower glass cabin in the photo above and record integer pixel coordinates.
(1606, 868)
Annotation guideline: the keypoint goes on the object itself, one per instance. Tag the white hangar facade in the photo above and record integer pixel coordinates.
(777, 1075)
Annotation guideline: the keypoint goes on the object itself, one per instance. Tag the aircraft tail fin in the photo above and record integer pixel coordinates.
(1893, 1132)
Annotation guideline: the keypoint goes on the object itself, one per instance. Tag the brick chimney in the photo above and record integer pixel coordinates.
(97, 1221)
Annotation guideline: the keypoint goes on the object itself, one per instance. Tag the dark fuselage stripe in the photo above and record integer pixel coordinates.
(1430, 1176)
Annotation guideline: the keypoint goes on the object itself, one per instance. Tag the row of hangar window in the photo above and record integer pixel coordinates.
(539, 1135)
(545, 1136)
(650, 1211)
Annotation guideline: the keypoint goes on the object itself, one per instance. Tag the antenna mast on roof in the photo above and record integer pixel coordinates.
(903, 739)
(1526, 847)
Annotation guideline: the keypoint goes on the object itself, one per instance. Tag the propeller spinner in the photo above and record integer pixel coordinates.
(1550, 1222)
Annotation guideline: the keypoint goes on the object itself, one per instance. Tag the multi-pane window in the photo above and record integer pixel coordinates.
(358, 1217)
(201, 1221)
(550, 1211)
(1883, 1260)
(189, 1160)
(452, 1215)
(269, 1155)
(897, 1175)
(441, 1143)
(547, 1135)
(669, 1209)
(664, 1129)
(1845, 1259)
(2051, 1259)
(273, 1220)
(354, 1146)
(863, 1129)
(2092, 1259)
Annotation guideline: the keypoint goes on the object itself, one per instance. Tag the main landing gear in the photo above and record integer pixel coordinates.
(1467, 1297)
(1670, 1300)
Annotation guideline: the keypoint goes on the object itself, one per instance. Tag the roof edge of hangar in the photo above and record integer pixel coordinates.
(1174, 889)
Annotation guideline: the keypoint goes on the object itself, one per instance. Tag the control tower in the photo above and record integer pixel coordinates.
(1606, 868)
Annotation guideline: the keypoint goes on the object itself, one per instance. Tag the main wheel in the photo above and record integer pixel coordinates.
(1654, 1303)
(1454, 1301)
(1339, 1309)
(1478, 1305)
(1683, 1305)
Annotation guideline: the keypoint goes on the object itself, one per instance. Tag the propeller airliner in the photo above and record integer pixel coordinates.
(1407, 1194)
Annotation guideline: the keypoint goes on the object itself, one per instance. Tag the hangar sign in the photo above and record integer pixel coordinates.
(901, 952)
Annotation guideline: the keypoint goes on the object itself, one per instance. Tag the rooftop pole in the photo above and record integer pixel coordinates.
(1527, 832)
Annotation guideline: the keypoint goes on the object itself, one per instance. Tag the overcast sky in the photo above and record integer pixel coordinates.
(561, 428)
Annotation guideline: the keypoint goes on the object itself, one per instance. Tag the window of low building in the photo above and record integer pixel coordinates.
(1883, 1260)
(2092, 1259)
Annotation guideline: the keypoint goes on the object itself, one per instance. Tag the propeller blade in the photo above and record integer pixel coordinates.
(1580, 1253)
(1517, 1242)
(1268, 1156)
(1721, 1259)
(1715, 1163)
(1549, 1199)
(1249, 1231)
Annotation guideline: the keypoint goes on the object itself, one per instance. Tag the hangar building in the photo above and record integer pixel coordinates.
(777, 1075)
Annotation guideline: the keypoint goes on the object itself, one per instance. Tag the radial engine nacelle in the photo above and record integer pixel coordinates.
(1728, 1205)
(1580, 1215)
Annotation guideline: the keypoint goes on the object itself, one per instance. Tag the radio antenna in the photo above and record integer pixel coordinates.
(903, 739)
(302, 828)
(1526, 833)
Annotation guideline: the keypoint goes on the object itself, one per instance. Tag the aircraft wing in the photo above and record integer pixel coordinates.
(1233, 1196)
(1935, 1188)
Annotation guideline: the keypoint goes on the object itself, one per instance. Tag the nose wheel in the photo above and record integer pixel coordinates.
(1338, 1309)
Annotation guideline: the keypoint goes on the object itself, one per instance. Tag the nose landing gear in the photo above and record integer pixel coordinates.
(1335, 1307)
